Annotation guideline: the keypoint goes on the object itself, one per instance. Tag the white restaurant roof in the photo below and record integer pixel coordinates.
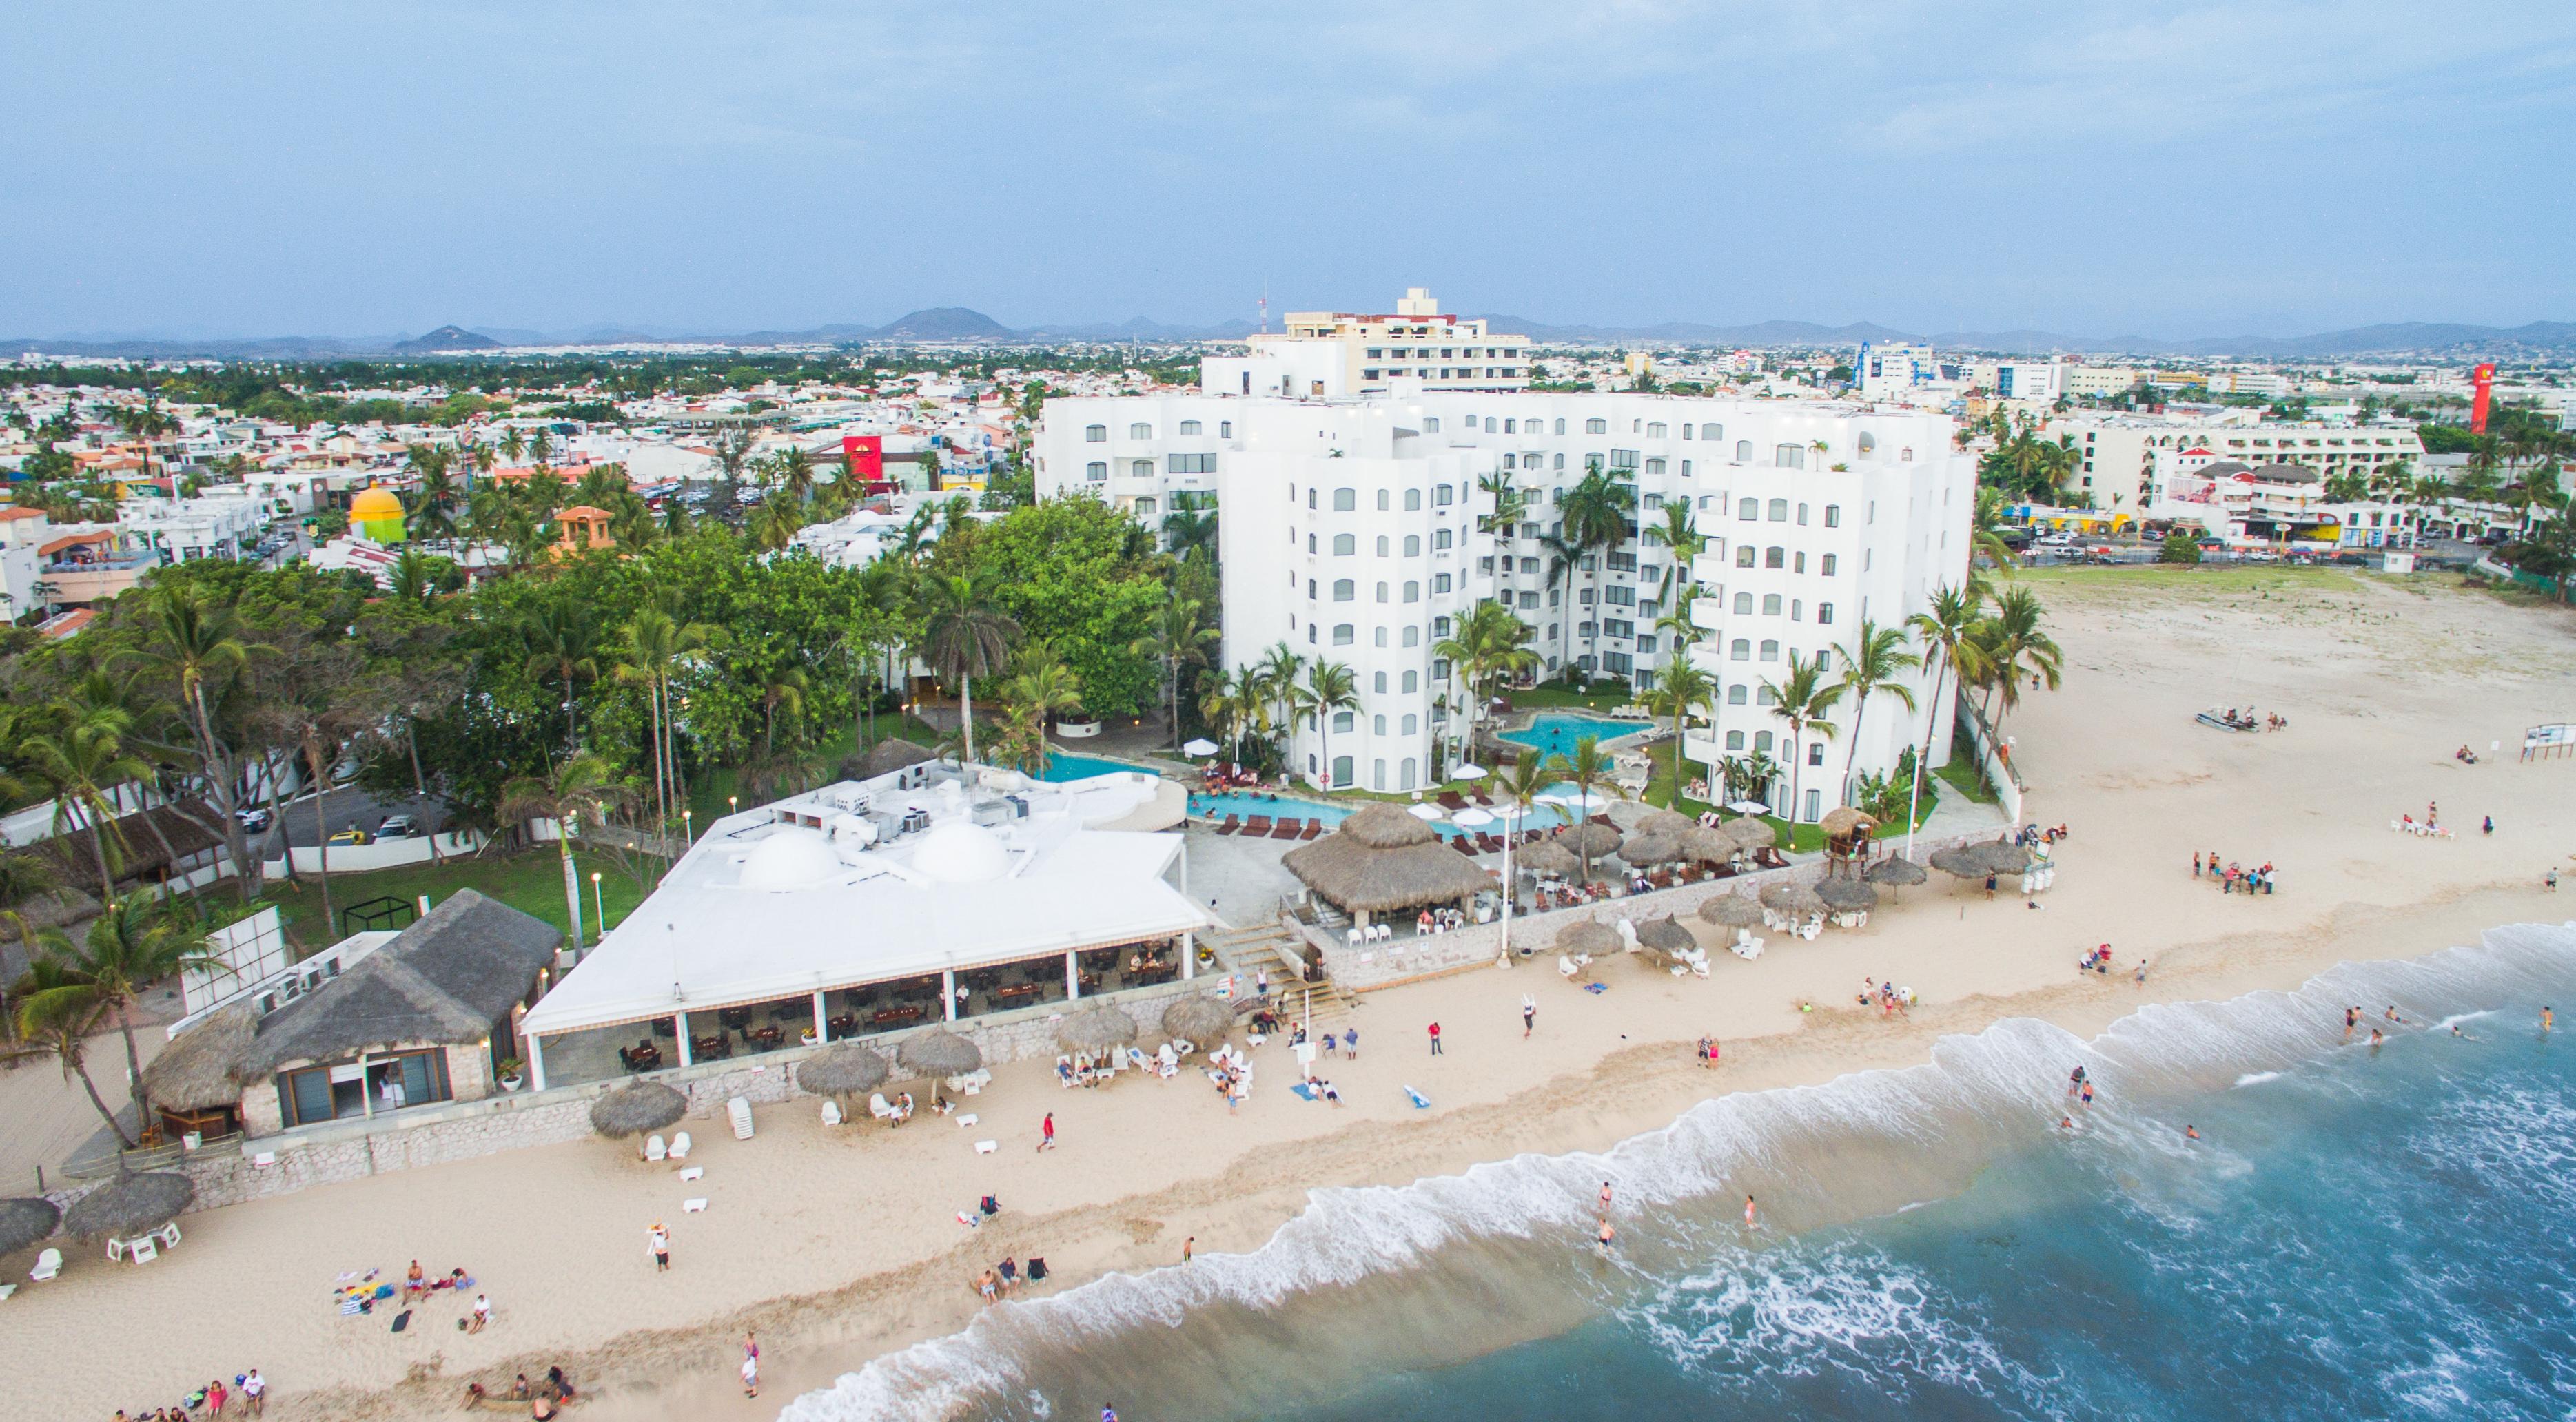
(863, 881)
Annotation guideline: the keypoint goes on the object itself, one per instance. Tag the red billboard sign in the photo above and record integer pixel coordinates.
(865, 454)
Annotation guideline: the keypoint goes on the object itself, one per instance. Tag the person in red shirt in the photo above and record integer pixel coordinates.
(1435, 1039)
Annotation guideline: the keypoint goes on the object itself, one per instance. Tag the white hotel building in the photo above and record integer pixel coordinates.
(1348, 529)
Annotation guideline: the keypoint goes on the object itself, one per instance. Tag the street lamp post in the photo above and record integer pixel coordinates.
(599, 906)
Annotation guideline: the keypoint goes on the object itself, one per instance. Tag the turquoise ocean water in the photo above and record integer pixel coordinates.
(2357, 1232)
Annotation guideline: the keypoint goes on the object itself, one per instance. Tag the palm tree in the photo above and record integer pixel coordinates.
(541, 445)
(193, 641)
(432, 513)
(48, 1020)
(785, 688)
(2015, 647)
(1509, 504)
(1225, 703)
(1178, 641)
(1188, 530)
(1801, 700)
(773, 526)
(413, 578)
(1680, 533)
(1331, 687)
(1947, 631)
(561, 640)
(582, 785)
(1596, 521)
(1678, 688)
(512, 444)
(1491, 644)
(81, 764)
(1871, 664)
(1276, 674)
(1040, 689)
(1563, 554)
(132, 944)
(1986, 532)
(652, 646)
(964, 635)
(795, 473)
(1586, 766)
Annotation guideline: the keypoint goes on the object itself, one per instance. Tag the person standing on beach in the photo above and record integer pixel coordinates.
(1435, 1039)
(255, 1392)
(660, 1241)
(1188, 1245)
(2142, 972)
(1602, 1238)
(1529, 1015)
(1990, 888)
(2195, 864)
(1046, 1132)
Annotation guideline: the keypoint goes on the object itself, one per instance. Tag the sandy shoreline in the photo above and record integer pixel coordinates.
(839, 1247)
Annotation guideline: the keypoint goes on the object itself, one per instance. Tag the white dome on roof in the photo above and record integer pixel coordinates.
(789, 858)
(961, 852)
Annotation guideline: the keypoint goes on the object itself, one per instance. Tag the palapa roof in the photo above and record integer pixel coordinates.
(195, 1072)
(1847, 895)
(1896, 871)
(1546, 857)
(638, 1106)
(1197, 1018)
(1646, 848)
(1596, 840)
(1842, 820)
(1732, 911)
(1751, 833)
(447, 978)
(1792, 898)
(1382, 859)
(1666, 936)
(131, 1204)
(1668, 822)
(1704, 843)
(1094, 1028)
(1960, 861)
(25, 1221)
(843, 1069)
(2005, 858)
(1586, 936)
(939, 1052)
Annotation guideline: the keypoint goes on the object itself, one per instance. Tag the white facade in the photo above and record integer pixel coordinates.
(2099, 380)
(1349, 531)
(1328, 355)
(1894, 371)
(2267, 504)
(2119, 451)
(2040, 381)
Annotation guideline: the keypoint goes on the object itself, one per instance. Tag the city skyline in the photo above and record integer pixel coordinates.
(2208, 172)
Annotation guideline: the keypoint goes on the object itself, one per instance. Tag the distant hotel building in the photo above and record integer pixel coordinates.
(1349, 530)
(1327, 355)
(2120, 451)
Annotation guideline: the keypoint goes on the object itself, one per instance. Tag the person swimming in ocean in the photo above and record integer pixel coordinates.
(2374, 1039)
(1606, 1234)
(2392, 1013)
(2351, 1020)
(2463, 1036)
(2191, 1133)
(2088, 1093)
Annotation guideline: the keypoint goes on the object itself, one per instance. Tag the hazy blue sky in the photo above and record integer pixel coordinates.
(2092, 168)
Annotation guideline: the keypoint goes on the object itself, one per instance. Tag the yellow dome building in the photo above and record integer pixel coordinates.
(377, 514)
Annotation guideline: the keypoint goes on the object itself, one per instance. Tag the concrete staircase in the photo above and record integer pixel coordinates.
(1247, 951)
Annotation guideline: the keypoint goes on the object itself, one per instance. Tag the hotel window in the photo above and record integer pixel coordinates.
(1779, 510)
(1442, 539)
(1655, 431)
(1310, 542)
(1442, 496)
(1744, 604)
(1412, 683)
(1310, 495)
(1377, 636)
(1826, 565)
(1557, 462)
(1096, 472)
(1225, 429)
(1735, 694)
(1344, 634)
(1712, 432)
(1560, 429)
(1833, 515)
(1095, 434)
(1343, 722)
(1344, 590)
(1815, 756)
(1868, 444)
(1686, 469)
(1381, 545)
(1529, 601)
(1310, 589)
(1735, 740)
(1413, 636)
(1140, 431)
(1824, 614)
(1440, 628)
(1193, 463)
(1413, 545)
(1802, 515)
(1490, 425)
(1412, 591)
(1377, 726)
(1190, 427)
(1749, 511)
(1596, 426)
(1381, 504)
(1764, 696)
(1344, 545)
(1141, 468)
(1623, 459)
(1431, 425)
(1381, 592)
(1770, 604)
(1740, 650)
(1511, 427)
(1406, 765)
(1439, 583)
(1345, 500)
(1762, 742)
(1770, 651)
(1655, 468)
(1797, 610)
(1413, 501)
(1775, 556)
(1529, 565)
(1744, 451)
(1744, 555)
(1379, 685)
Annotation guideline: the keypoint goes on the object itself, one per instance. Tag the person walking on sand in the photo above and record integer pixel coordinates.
(660, 1241)
(1046, 1132)
(1529, 1015)
(2142, 972)
(1990, 887)
(750, 1375)
(1351, 1043)
(2549, 880)
(1435, 1039)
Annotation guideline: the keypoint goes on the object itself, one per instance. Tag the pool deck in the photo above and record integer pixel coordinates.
(1493, 731)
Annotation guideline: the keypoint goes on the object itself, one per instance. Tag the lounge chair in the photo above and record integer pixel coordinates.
(1452, 800)
(1232, 823)
(143, 1251)
(1463, 847)
(1288, 828)
(831, 1112)
(1313, 829)
(48, 1264)
(168, 1234)
(680, 1146)
(739, 1109)
(1257, 825)
(655, 1148)
(881, 1108)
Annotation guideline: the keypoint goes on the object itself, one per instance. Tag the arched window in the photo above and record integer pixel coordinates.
(1802, 515)
(1762, 742)
(1559, 463)
(1413, 636)
(1770, 650)
(1735, 740)
(1140, 431)
(1596, 426)
(1560, 429)
(1868, 445)
(1344, 590)
(1770, 604)
(1413, 501)
(1740, 650)
(1767, 697)
(1825, 613)
(1833, 515)
(1190, 427)
(1344, 545)
(1141, 468)
(1744, 555)
(1744, 451)
(1442, 538)
(1310, 589)
(1412, 681)
(1790, 456)
(1655, 468)
(1827, 567)
(1439, 585)
(1735, 694)
(1429, 426)
(1379, 686)
(1096, 472)
(1749, 511)
(1775, 556)
(1712, 432)
(1744, 604)
(1145, 509)
(1489, 424)
(1779, 510)
(1655, 430)
(1413, 545)
(1511, 427)
(1381, 545)
(1095, 434)
(1344, 634)
(1345, 500)
(1381, 592)
(1412, 591)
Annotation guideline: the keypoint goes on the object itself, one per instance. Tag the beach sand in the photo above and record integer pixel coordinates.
(839, 1245)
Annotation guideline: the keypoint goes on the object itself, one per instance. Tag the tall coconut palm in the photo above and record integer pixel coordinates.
(651, 649)
(581, 787)
(1180, 639)
(1680, 687)
(1679, 532)
(1040, 689)
(82, 764)
(2014, 647)
(134, 943)
(1871, 663)
(964, 635)
(432, 513)
(1331, 688)
(1225, 703)
(1490, 645)
(1586, 766)
(785, 690)
(1509, 504)
(560, 639)
(195, 641)
(1946, 630)
(1596, 521)
(1564, 555)
(1277, 673)
(1186, 531)
(1801, 700)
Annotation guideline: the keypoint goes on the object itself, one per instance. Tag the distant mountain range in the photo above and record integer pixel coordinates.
(959, 324)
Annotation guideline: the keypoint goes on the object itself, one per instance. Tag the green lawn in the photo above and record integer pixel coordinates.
(1963, 775)
(530, 880)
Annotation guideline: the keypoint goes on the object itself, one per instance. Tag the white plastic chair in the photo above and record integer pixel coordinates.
(143, 1251)
(169, 1235)
(655, 1149)
(48, 1264)
(680, 1146)
(831, 1112)
(879, 1107)
(740, 1109)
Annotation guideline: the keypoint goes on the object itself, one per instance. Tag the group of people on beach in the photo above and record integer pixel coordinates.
(215, 1399)
(545, 1397)
(994, 1283)
(2232, 877)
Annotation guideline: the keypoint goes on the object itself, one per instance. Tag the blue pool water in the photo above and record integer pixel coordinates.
(2357, 1232)
(1556, 734)
(1250, 803)
(1061, 767)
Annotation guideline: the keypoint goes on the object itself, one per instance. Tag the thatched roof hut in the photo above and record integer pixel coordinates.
(1095, 1029)
(130, 1204)
(1585, 936)
(637, 1107)
(58, 907)
(1665, 822)
(1795, 900)
(1198, 1018)
(1644, 848)
(142, 836)
(1841, 820)
(1665, 936)
(843, 1069)
(446, 979)
(1589, 839)
(1960, 862)
(940, 1052)
(200, 1068)
(1546, 857)
(1731, 911)
(2005, 857)
(1383, 859)
(1895, 872)
(26, 1222)
(1847, 895)
(1706, 845)
(894, 753)
(1751, 833)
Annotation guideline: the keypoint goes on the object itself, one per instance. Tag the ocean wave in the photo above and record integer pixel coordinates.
(2257, 1078)
(1861, 1146)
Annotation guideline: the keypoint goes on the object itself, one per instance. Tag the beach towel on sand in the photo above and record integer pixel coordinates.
(1420, 1101)
(402, 1320)
(1304, 1092)
(1596, 988)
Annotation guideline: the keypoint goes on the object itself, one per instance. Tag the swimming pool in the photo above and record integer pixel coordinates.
(1250, 803)
(1062, 767)
(1554, 734)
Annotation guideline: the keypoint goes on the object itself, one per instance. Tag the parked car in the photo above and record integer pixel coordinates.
(252, 818)
(351, 835)
(398, 827)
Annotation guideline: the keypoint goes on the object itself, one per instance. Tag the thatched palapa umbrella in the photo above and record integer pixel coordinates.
(1547, 857)
(1706, 845)
(1587, 838)
(1198, 1018)
(1382, 860)
(1794, 900)
(843, 1069)
(1842, 820)
(1666, 937)
(1847, 895)
(1751, 834)
(1664, 822)
(1731, 911)
(199, 1069)
(637, 1107)
(1960, 862)
(1095, 1030)
(940, 1052)
(26, 1222)
(131, 1204)
(1895, 872)
(1645, 848)
(2005, 858)
(1587, 937)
